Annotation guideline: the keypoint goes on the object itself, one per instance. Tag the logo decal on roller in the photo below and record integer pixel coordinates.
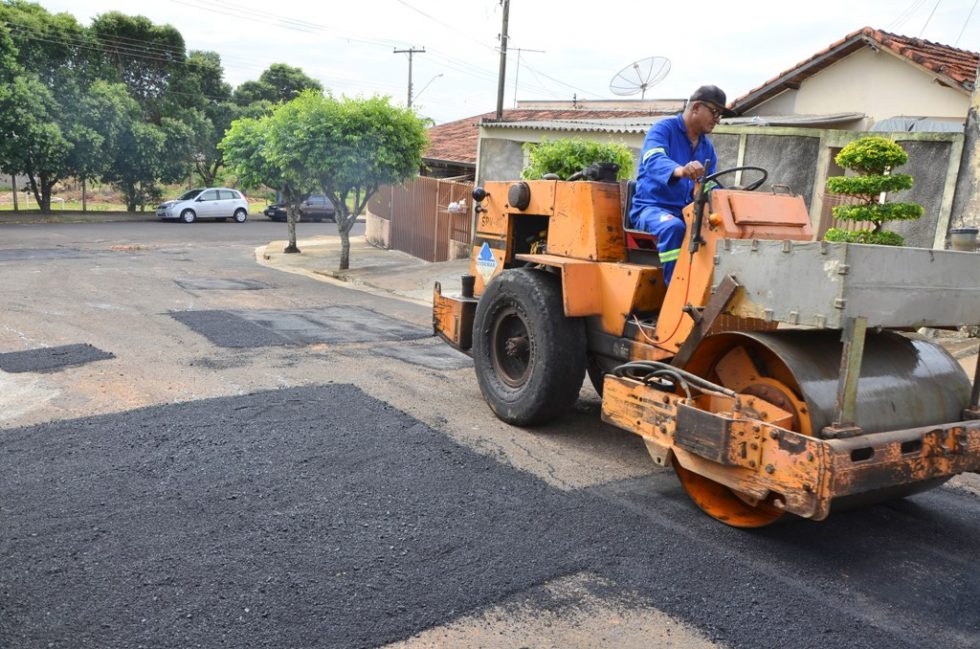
(486, 263)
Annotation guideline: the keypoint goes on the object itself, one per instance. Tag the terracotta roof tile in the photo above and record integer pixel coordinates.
(956, 67)
(456, 141)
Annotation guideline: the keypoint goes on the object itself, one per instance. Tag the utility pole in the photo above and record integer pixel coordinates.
(517, 68)
(411, 52)
(503, 61)
(966, 198)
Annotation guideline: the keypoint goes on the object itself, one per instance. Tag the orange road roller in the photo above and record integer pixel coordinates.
(776, 374)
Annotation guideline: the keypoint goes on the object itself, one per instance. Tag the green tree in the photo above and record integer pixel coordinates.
(345, 147)
(133, 148)
(352, 147)
(568, 156)
(54, 48)
(34, 143)
(279, 83)
(144, 56)
(201, 99)
(87, 158)
(248, 150)
(872, 159)
(135, 162)
(9, 103)
(53, 64)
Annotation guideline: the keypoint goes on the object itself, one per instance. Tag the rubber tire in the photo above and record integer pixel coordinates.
(240, 215)
(597, 369)
(188, 216)
(556, 365)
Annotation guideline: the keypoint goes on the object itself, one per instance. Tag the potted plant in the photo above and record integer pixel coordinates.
(872, 160)
(568, 157)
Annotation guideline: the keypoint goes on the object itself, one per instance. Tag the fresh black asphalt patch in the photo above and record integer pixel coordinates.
(320, 517)
(50, 359)
(270, 328)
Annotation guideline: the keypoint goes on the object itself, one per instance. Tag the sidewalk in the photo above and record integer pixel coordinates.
(71, 216)
(371, 268)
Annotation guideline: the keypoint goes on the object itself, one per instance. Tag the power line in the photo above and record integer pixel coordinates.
(172, 55)
(150, 54)
(965, 23)
(544, 88)
(23, 32)
(263, 17)
(420, 12)
(560, 82)
(459, 65)
(929, 18)
(903, 17)
(517, 68)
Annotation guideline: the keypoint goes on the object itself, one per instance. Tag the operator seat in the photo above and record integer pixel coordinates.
(641, 246)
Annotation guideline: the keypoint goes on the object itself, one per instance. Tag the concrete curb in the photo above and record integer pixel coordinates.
(372, 269)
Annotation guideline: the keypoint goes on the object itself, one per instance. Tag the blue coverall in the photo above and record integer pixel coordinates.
(660, 197)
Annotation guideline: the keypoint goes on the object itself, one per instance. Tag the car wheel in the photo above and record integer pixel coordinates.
(188, 216)
(240, 215)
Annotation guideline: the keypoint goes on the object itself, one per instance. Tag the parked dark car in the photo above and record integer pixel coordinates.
(315, 208)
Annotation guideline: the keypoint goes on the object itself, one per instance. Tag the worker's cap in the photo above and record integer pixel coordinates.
(712, 95)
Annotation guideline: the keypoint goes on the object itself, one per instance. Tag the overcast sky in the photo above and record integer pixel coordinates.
(348, 46)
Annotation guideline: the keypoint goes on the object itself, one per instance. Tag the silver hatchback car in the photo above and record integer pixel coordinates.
(211, 203)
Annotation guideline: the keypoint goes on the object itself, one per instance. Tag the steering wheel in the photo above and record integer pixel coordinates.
(755, 184)
(702, 198)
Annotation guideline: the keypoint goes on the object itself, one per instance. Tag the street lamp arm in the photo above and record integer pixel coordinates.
(419, 93)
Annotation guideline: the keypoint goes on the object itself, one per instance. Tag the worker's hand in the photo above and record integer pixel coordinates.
(692, 170)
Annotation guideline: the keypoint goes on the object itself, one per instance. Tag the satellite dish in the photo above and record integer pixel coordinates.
(636, 77)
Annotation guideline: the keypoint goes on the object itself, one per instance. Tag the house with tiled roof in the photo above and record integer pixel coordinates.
(913, 91)
(870, 79)
(453, 147)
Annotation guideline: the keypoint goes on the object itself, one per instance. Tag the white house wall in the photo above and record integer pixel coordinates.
(782, 104)
(881, 85)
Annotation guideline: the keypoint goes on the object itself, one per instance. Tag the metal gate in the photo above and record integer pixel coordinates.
(426, 216)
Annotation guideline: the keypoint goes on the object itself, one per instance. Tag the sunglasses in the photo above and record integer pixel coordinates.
(715, 112)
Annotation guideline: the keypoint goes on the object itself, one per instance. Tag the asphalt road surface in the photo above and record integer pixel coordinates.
(228, 456)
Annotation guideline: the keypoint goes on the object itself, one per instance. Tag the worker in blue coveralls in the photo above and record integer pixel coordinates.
(676, 153)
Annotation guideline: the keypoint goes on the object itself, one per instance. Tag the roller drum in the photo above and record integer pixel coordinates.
(904, 382)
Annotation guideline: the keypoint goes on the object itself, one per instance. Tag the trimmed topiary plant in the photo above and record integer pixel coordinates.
(872, 159)
(568, 156)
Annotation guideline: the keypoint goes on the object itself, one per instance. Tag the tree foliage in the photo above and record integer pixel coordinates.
(54, 48)
(344, 147)
(201, 99)
(872, 155)
(352, 147)
(880, 238)
(120, 101)
(568, 156)
(34, 141)
(144, 56)
(872, 159)
(277, 84)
